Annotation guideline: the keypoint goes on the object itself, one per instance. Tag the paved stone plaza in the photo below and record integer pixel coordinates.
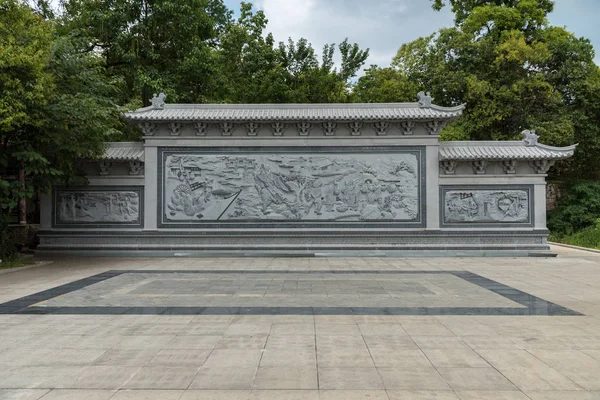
(303, 328)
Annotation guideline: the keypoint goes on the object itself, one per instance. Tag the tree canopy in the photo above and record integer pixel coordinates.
(513, 71)
(57, 104)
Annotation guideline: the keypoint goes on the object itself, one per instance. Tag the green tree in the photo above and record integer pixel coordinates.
(384, 85)
(514, 71)
(56, 105)
(253, 69)
(154, 45)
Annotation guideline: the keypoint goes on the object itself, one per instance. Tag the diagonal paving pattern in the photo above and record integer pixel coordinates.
(286, 356)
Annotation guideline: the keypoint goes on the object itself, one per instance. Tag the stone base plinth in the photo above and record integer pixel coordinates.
(300, 243)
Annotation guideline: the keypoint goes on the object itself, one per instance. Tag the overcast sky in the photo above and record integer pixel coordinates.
(384, 25)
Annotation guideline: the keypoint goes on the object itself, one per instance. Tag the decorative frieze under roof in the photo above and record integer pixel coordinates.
(423, 110)
(125, 151)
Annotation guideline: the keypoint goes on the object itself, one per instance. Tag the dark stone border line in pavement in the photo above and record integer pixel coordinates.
(532, 305)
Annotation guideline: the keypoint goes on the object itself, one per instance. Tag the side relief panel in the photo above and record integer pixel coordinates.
(91, 207)
(487, 205)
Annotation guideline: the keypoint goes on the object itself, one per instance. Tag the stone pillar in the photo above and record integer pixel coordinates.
(150, 188)
(432, 191)
(46, 211)
(539, 201)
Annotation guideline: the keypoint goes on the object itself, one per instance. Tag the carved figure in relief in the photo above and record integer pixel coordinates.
(486, 206)
(94, 206)
(291, 187)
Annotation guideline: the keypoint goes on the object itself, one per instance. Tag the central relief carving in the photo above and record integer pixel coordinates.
(299, 187)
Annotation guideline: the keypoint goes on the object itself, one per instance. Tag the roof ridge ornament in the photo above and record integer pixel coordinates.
(158, 101)
(425, 99)
(530, 138)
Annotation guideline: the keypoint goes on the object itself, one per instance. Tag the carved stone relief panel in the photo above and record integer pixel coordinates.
(493, 206)
(263, 187)
(97, 207)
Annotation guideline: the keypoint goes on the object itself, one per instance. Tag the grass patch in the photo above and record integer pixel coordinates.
(15, 264)
(589, 237)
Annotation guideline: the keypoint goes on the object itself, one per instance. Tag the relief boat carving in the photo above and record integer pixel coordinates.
(491, 206)
(78, 207)
(271, 187)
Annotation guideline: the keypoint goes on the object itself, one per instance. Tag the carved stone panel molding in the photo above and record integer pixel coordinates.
(407, 127)
(282, 185)
(277, 128)
(303, 128)
(252, 128)
(175, 128)
(487, 205)
(104, 167)
(355, 128)
(98, 207)
(541, 166)
(136, 167)
(201, 128)
(148, 128)
(329, 128)
(435, 127)
(381, 128)
(449, 167)
(479, 167)
(226, 128)
(509, 166)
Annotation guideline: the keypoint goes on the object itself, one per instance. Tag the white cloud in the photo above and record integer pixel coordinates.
(384, 25)
(381, 25)
(287, 17)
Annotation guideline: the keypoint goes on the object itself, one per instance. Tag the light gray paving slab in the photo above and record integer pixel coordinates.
(353, 395)
(47, 377)
(224, 378)
(292, 378)
(216, 395)
(455, 358)
(422, 395)
(162, 377)
(78, 394)
(179, 358)
(147, 395)
(492, 395)
(126, 357)
(22, 394)
(476, 379)
(412, 379)
(349, 378)
(527, 372)
(104, 377)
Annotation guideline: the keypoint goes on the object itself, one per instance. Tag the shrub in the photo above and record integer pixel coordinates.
(8, 251)
(578, 209)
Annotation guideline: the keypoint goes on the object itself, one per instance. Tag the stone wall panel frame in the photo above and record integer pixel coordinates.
(476, 187)
(138, 223)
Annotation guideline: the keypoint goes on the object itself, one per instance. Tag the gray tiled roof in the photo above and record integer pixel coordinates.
(126, 151)
(510, 150)
(294, 112)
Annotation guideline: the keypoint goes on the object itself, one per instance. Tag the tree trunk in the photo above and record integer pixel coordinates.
(22, 200)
